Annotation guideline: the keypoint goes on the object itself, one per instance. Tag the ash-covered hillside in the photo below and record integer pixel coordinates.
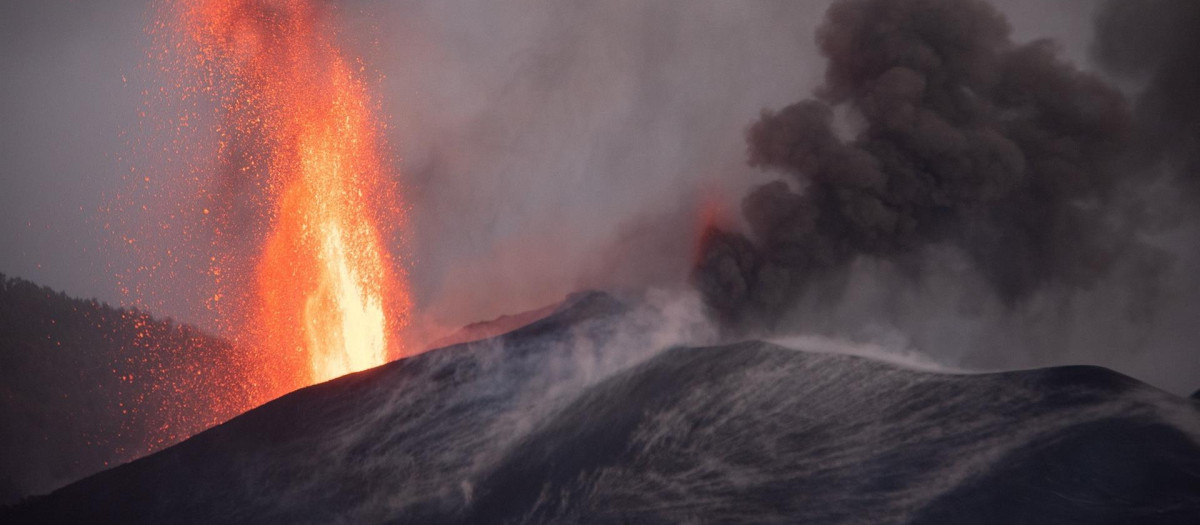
(589, 415)
(85, 386)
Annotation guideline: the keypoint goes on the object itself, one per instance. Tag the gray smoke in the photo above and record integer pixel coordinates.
(552, 148)
(549, 148)
(1156, 43)
(933, 129)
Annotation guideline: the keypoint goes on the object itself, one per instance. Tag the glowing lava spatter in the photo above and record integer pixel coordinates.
(326, 299)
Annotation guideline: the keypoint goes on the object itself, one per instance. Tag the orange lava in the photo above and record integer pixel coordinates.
(327, 299)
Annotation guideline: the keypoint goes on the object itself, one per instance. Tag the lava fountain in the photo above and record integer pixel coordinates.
(297, 127)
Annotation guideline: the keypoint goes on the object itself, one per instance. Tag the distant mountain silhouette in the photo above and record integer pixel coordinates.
(85, 386)
(583, 416)
(500, 325)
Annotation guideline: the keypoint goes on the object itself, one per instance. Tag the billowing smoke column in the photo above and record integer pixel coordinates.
(932, 128)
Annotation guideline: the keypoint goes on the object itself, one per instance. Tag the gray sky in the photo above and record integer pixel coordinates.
(64, 106)
(543, 147)
(517, 122)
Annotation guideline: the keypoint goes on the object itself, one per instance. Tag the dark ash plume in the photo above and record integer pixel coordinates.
(961, 138)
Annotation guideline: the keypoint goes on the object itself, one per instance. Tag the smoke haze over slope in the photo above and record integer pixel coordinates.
(551, 148)
(978, 194)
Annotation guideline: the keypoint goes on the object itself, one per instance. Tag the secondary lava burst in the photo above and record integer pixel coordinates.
(317, 295)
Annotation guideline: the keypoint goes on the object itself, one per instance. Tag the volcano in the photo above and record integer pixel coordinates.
(591, 415)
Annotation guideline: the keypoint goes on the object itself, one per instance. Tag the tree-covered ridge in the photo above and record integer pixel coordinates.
(85, 385)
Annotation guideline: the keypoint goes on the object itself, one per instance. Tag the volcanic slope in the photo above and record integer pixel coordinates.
(583, 417)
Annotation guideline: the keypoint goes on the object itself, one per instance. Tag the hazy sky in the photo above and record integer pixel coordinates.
(517, 124)
(543, 148)
(64, 106)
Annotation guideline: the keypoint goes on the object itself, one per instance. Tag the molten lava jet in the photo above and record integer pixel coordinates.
(297, 128)
(259, 205)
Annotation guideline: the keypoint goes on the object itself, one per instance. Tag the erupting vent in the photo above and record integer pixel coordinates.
(325, 294)
(301, 210)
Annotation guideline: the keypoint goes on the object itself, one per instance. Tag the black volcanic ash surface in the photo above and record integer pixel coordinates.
(584, 417)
